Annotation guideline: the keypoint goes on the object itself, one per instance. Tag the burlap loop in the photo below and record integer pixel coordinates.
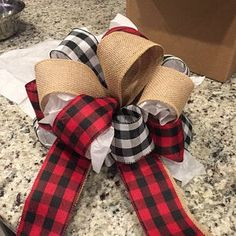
(127, 61)
(168, 86)
(65, 76)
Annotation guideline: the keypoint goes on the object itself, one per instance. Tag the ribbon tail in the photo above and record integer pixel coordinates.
(157, 200)
(55, 191)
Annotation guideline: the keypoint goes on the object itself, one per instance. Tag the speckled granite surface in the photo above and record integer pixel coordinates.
(104, 208)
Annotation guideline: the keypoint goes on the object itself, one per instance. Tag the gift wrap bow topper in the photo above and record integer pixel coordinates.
(133, 77)
(133, 118)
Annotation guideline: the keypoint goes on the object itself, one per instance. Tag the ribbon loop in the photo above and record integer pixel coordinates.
(169, 87)
(187, 130)
(80, 45)
(126, 71)
(82, 120)
(65, 76)
(132, 139)
(168, 138)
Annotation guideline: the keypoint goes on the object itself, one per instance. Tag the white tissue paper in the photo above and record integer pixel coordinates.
(56, 102)
(9, 85)
(197, 79)
(99, 149)
(20, 62)
(187, 169)
(121, 20)
(46, 138)
(161, 112)
(17, 69)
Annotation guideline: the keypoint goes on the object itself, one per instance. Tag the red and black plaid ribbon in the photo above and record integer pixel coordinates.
(168, 139)
(47, 208)
(155, 200)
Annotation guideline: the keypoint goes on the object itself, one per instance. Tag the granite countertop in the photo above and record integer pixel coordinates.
(104, 208)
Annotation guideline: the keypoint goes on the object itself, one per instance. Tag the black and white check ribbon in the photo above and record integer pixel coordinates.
(80, 45)
(132, 139)
(187, 130)
(175, 63)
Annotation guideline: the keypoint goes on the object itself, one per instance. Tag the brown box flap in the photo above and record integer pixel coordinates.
(203, 32)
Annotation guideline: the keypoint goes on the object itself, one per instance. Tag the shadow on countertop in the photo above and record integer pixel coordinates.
(4, 231)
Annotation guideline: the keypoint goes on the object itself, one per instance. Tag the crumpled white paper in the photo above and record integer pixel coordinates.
(197, 79)
(20, 62)
(9, 85)
(187, 169)
(56, 102)
(17, 68)
(46, 138)
(121, 20)
(161, 112)
(100, 148)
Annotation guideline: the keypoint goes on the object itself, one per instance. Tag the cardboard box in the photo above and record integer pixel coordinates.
(202, 33)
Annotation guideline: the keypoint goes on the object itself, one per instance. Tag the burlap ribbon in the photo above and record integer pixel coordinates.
(132, 73)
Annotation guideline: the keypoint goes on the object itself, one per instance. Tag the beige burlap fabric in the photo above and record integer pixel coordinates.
(168, 86)
(65, 76)
(131, 67)
(127, 61)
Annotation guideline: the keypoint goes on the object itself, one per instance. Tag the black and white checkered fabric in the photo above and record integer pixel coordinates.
(80, 45)
(132, 139)
(187, 129)
(175, 63)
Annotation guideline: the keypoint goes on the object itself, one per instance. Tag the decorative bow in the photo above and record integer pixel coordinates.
(133, 77)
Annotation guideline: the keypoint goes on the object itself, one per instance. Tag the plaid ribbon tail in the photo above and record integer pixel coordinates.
(48, 207)
(155, 199)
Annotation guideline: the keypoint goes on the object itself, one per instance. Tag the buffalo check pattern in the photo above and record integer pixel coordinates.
(47, 208)
(187, 129)
(155, 200)
(131, 140)
(80, 45)
(54, 192)
(82, 120)
(168, 139)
